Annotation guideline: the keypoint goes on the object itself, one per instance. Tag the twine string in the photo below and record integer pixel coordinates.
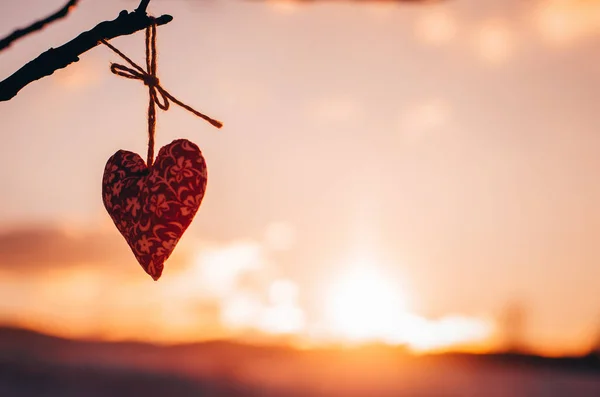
(158, 96)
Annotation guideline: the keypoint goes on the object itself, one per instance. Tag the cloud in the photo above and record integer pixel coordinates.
(494, 41)
(436, 26)
(33, 248)
(221, 269)
(284, 7)
(29, 249)
(243, 279)
(221, 289)
(562, 22)
(56, 279)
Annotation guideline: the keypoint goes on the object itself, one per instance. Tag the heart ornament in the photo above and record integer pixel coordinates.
(152, 207)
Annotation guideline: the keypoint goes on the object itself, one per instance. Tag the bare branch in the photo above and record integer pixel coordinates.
(57, 58)
(20, 33)
(143, 6)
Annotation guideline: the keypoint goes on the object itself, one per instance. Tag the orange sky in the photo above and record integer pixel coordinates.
(456, 144)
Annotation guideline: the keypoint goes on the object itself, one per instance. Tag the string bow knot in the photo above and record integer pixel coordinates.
(157, 94)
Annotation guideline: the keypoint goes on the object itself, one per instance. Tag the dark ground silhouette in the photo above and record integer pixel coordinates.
(33, 364)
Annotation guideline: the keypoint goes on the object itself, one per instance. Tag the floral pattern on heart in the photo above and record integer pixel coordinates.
(152, 207)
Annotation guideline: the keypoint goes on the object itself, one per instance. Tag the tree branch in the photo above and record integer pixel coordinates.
(57, 58)
(20, 33)
(143, 6)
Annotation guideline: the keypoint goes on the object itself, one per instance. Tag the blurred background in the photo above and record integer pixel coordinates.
(403, 201)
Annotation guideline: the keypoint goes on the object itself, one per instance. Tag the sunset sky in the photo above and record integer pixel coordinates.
(387, 171)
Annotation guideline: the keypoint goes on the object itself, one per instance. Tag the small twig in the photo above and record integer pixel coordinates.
(57, 58)
(20, 33)
(143, 6)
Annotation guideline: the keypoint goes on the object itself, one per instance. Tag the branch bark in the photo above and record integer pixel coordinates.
(57, 58)
(143, 6)
(20, 33)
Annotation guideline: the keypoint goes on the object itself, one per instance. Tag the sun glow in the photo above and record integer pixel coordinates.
(234, 290)
(362, 304)
(366, 305)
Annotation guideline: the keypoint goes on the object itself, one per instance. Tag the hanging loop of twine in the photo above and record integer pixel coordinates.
(157, 94)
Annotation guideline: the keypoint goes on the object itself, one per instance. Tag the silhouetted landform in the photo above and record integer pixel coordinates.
(41, 379)
(34, 364)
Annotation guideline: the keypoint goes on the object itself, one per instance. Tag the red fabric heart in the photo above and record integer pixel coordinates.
(152, 207)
